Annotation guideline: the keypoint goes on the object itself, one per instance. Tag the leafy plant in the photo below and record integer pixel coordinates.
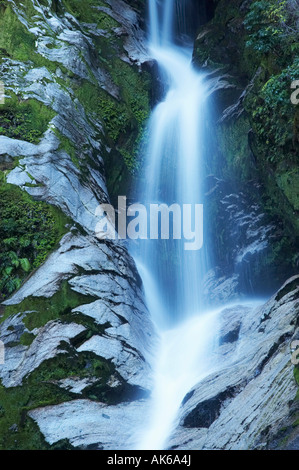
(28, 232)
(270, 24)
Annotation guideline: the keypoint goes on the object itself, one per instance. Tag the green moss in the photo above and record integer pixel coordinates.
(69, 147)
(288, 182)
(234, 145)
(134, 89)
(15, 40)
(27, 338)
(17, 43)
(29, 231)
(123, 119)
(17, 430)
(79, 365)
(43, 309)
(271, 27)
(24, 119)
(88, 12)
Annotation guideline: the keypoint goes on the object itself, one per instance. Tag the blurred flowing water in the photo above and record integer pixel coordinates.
(172, 275)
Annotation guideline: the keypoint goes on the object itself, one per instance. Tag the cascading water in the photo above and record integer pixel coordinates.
(173, 166)
(172, 276)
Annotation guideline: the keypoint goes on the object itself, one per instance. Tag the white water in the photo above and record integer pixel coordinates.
(184, 358)
(172, 276)
(174, 169)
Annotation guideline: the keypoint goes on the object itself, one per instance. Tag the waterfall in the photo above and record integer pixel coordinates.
(172, 275)
(174, 169)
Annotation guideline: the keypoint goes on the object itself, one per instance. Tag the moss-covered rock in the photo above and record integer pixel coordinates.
(24, 120)
(74, 95)
(29, 230)
(253, 46)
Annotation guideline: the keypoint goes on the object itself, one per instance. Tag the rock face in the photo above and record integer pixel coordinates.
(89, 425)
(244, 241)
(256, 133)
(247, 400)
(77, 332)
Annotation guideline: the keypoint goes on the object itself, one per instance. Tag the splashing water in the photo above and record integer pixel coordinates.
(185, 357)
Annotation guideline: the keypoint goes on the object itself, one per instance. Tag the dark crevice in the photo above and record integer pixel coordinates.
(231, 337)
(291, 286)
(271, 352)
(207, 411)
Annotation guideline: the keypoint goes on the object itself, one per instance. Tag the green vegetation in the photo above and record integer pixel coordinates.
(24, 119)
(42, 310)
(273, 116)
(29, 230)
(88, 12)
(15, 41)
(17, 429)
(255, 44)
(27, 338)
(271, 27)
(123, 119)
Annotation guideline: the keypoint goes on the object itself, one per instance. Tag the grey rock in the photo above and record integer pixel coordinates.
(250, 392)
(76, 384)
(20, 361)
(220, 290)
(85, 423)
(129, 334)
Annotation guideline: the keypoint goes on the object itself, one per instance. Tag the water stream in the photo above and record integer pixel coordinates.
(172, 275)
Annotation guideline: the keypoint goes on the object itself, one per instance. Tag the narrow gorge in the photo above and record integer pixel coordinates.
(132, 344)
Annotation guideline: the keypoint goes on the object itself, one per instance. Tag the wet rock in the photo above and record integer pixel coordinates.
(20, 361)
(241, 224)
(76, 384)
(105, 326)
(252, 388)
(85, 423)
